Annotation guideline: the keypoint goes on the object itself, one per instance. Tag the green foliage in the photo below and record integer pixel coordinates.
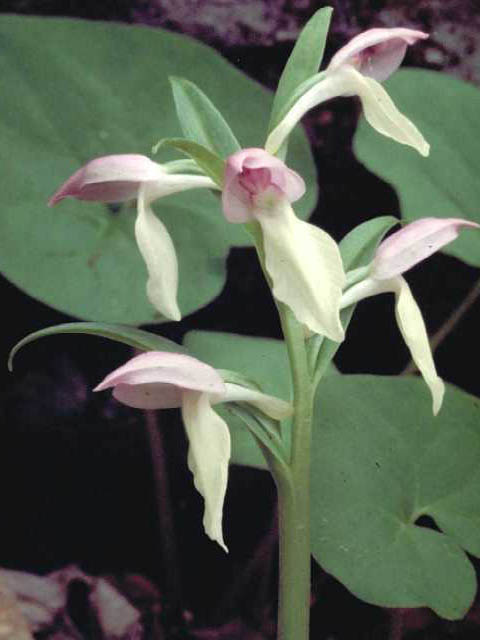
(304, 62)
(446, 183)
(380, 460)
(200, 119)
(136, 338)
(108, 92)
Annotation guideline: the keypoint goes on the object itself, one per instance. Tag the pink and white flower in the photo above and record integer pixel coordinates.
(358, 69)
(118, 178)
(303, 262)
(396, 255)
(163, 380)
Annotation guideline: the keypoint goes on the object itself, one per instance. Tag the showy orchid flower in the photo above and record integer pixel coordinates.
(118, 178)
(303, 262)
(395, 255)
(161, 380)
(358, 69)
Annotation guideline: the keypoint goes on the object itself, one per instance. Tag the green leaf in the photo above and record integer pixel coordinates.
(210, 162)
(357, 249)
(359, 245)
(200, 120)
(109, 93)
(136, 338)
(446, 183)
(304, 61)
(380, 460)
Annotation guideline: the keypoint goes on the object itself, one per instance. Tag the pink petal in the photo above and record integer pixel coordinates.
(237, 205)
(156, 379)
(109, 179)
(415, 242)
(376, 53)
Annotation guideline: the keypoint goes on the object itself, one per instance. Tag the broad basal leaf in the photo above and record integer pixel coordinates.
(380, 461)
(446, 183)
(108, 92)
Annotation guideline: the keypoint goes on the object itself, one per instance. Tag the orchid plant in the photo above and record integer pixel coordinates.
(314, 284)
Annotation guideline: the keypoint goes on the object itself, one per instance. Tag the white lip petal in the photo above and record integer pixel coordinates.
(306, 269)
(208, 458)
(381, 112)
(158, 252)
(411, 325)
(274, 407)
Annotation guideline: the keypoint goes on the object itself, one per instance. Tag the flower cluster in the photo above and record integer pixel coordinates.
(302, 262)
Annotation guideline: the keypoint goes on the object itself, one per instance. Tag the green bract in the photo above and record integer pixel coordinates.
(446, 183)
(136, 338)
(109, 93)
(303, 63)
(380, 460)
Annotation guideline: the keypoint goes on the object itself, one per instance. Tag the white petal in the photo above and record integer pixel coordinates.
(157, 249)
(411, 324)
(274, 407)
(306, 269)
(208, 456)
(381, 113)
(330, 86)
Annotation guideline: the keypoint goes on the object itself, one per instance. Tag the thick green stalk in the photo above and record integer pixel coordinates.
(294, 495)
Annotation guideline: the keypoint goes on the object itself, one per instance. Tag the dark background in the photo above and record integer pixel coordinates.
(75, 467)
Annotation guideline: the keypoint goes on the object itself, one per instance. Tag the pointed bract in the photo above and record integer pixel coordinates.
(415, 242)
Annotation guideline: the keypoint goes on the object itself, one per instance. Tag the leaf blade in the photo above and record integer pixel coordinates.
(304, 61)
(136, 338)
(200, 120)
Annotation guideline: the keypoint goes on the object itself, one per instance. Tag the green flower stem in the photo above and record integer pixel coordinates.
(294, 494)
(293, 480)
